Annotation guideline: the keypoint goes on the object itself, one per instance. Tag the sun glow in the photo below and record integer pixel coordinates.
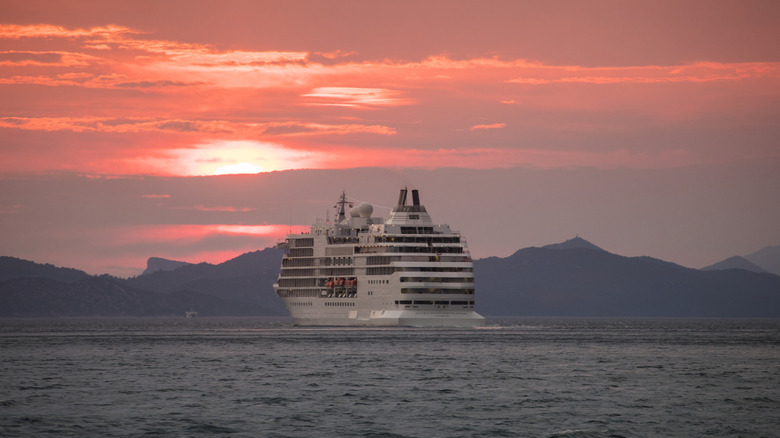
(238, 169)
(228, 157)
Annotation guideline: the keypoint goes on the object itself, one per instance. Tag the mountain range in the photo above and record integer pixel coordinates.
(577, 278)
(232, 288)
(572, 278)
(766, 259)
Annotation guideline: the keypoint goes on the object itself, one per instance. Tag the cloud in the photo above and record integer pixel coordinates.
(136, 125)
(163, 83)
(355, 97)
(16, 31)
(530, 81)
(693, 73)
(144, 62)
(194, 232)
(18, 58)
(129, 247)
(121, 100)
(223, 208)
(308, 129)
(336, 54)
(491, 126)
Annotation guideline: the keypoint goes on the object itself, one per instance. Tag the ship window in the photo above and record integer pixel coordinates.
(301, 252)
(421, 290)
(380, 271)
(298, 243)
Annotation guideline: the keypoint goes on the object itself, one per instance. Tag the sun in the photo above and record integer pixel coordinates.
(238, 169)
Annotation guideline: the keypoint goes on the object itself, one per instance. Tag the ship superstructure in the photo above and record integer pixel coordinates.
(366, 271)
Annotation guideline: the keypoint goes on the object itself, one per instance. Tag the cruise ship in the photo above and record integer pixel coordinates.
(367, 271)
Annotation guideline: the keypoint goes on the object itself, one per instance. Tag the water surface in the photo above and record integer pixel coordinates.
(266, 377)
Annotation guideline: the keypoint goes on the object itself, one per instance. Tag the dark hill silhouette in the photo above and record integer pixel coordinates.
(239, 287)
(591, 282)
(107, 296)
(573, 278)
(155, 264)
(12, 267)
(247, 278)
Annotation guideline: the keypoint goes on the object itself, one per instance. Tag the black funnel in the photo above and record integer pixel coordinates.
(415, 198)
(402, 197)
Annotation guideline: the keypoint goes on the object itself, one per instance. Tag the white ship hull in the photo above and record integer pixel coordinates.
(363, 271)
(392, 318)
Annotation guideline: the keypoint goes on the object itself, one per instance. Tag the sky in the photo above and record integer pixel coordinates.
(199, 130)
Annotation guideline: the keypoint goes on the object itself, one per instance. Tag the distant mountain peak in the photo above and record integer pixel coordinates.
(155, 264)
(576, 242)
(767, 258)
(735, 262)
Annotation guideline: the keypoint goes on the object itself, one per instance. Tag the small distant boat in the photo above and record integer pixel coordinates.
(191, 314)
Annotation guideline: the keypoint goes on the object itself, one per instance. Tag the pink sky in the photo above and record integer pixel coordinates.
(181, 89)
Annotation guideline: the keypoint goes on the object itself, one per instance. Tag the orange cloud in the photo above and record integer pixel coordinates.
(45, 59)
(135, 125)
(492, 126)
(337, 54)
(195, 232)
(159, 106)
(15, 31)
(697, 72)
(496, 158)
(144, 61)
(307, 129)
(355, 97)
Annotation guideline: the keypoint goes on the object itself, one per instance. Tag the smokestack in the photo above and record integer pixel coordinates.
(402, 197)
(415, 198)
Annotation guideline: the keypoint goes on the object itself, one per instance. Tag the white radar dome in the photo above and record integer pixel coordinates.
(354, 212)
(365, 210)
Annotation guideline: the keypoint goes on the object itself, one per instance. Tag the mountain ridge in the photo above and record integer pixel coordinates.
(155, 264)
(767, 258)
(576, 242)
(571, 278)
(734, 262)
(587, 282)
(229, 288)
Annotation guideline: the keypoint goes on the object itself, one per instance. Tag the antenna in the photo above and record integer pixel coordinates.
(340, 205)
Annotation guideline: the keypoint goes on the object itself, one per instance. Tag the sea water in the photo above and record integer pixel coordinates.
(258, 377)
